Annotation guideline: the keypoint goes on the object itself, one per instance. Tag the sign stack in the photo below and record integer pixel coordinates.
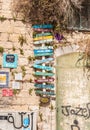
(43, 40)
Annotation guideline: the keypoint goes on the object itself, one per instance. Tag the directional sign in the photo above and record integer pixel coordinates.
(48, 68)
(43, 61)
(43, 51)
(44, 74)
(42, 30)
(49, 26)
(45, 47)
(46, 54)
(42, 38)
(48, 86)
(42, 34)
(44, 80)
(43, 41)
(44, 93)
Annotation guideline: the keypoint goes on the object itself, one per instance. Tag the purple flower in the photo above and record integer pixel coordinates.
(58, 37)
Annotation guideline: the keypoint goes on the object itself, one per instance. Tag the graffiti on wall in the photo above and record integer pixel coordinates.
(22, 120)
(78, 111)
(75, 125)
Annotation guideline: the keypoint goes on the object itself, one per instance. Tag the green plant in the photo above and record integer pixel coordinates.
(22, 40)
(1, 49)
(51, 107)
(30, 91)
(21, 51)
(41, 116)
(2, 18)
(16, 91)
(23, 68)
(13, 48)
(30, 80)
(30, 58)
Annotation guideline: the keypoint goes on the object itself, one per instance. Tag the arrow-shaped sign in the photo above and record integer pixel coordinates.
(49, 26)
(48, 86)
(48, 68)
(44, 80)
(44, 74)
(44, 60)
(44, 93)
(43, 41)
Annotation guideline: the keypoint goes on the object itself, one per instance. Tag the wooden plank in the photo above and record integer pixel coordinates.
(48, 68)
(39, 51)
(43, 61)
(42, 34)
(48, 86)
(44, 80)
(48, 26)
(44, 47)
(44, 74)
(42, 38)
(44, 93)
(42, 30)
(43, 41)
(46, 54)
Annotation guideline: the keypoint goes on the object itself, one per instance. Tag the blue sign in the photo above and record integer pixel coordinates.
(48, 68)
(43, 61)
(10, 60)
(43, 52)
(39, 51)
(43, 26)
(44, 93)
(48, 86)
(44, 74)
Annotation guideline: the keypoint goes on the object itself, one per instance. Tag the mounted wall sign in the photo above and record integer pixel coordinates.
(18, 76)
(44, 100)
(10, 60)
(4, 79)
(15, 85)
(7, 92)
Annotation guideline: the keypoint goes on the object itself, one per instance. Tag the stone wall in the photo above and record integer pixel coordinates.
(11, 29)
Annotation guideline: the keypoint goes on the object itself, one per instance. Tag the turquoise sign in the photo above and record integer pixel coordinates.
(44, 74)
(48, 68)
(43, 52)
(43, 61)
(10, 60)
(49, 26)
(44, 93)
(48, 86)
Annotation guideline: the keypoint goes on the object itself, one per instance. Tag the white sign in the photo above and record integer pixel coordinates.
(15, 85)
(18, 76)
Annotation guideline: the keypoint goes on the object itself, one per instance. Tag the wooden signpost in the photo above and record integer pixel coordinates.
(48, 68)
(42, 38)
(43, 61)
(44, 74)
(48, 86)
(40, 80)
